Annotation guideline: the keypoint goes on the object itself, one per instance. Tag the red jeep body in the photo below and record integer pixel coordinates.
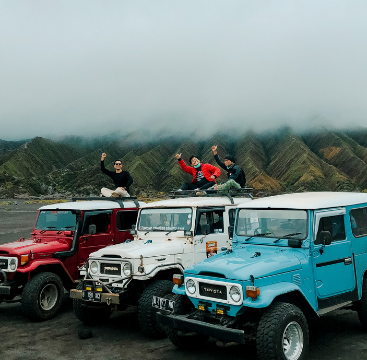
(64, 235)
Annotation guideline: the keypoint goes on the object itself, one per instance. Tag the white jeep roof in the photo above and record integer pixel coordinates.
(90, 205)
(308, 201)
(197, 201)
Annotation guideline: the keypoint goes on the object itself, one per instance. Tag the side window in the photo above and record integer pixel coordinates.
(335, 225)
(358, 221)
(126, 219)
(232, 215)
(102, 222)
(213, 218)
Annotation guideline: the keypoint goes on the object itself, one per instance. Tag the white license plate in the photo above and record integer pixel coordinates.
(163, 304)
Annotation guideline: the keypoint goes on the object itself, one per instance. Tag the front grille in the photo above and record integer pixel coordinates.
(110, 269)
(213, 291)
(3, 263)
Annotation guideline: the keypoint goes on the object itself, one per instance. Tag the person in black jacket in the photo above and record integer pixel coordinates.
(236, 176)
(122, 179)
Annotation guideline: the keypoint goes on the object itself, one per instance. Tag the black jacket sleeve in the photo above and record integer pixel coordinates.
(219, 162)
(129, 179)
(235, 173)
(104, 170)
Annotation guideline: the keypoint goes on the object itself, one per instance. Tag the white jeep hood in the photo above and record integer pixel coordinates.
(134, 249)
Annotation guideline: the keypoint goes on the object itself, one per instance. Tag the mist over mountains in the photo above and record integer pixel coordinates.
(276, 162)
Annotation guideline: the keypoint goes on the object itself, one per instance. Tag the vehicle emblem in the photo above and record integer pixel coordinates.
(214, 291)
(111, 268)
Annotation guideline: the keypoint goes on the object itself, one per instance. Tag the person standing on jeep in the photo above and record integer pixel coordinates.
(122, 179)
(204, 175)
(236, 176)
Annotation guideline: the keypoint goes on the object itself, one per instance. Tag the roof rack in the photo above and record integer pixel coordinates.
(229, 193)
(119, 200)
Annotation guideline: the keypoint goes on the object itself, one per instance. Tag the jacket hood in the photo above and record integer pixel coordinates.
(134, 249)
(242, 263)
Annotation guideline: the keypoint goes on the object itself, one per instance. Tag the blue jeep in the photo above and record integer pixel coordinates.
(294, 257)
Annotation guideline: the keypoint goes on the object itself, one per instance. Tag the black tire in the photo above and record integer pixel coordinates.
(362, 306)
(42, 296)
(90, 313)
(278, 322)
(181, 339)
(147, 313)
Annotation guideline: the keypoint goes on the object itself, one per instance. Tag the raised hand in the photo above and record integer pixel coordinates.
(178, 156)
(103, 156)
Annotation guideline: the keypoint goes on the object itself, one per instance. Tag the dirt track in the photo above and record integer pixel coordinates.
(338, 335)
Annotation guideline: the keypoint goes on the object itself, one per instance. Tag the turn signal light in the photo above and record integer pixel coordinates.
(252, 291)
(23, 259)
(178, 279)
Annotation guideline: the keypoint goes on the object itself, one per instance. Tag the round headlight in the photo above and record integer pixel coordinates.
(127, 269)
(190, 286)
(12, 264)
(235, 293)
(93, 267)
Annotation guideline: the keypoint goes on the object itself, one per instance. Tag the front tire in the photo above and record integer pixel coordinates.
(147, 313)
(90, 313)
(282, 333)
(42, 296)
(181, 339)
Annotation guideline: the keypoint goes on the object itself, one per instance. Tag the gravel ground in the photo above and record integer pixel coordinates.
(337, 335)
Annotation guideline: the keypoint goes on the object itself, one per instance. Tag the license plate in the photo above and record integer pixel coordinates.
(92, 296)
(163, 304)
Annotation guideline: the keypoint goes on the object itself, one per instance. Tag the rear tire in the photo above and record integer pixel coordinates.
(362, 306)
(42, 296)
(90, 313)
(282, 333)
(181, 339)
(147, 313)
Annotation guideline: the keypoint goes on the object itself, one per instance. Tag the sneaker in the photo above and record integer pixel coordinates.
(115, 194)
(201, 192)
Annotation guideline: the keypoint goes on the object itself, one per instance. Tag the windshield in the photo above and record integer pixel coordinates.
(56, 220)
(164, 219)
(272, 223)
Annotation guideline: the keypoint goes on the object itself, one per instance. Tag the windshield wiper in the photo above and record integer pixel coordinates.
(171, 231)
(65, 227)
(257, 235)
(285, 236)
(47, 228)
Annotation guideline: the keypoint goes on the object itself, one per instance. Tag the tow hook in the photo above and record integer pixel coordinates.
(108, 301)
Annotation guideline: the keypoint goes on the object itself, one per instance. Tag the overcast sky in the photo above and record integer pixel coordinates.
(86, 67)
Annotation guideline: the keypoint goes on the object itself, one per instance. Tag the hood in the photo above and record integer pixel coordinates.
(44, 246)
(133, 249)
(242, 263)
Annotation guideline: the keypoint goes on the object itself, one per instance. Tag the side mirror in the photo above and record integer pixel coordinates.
(187, 232)
(205, 229)
(323, 238)
(230, 231)
(92, 229)
(133, 230)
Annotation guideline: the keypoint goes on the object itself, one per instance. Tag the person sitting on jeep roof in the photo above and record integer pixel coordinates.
(122, 179)
(236, 176)
(204, 175)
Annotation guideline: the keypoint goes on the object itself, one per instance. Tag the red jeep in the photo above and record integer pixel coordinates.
(41, 268)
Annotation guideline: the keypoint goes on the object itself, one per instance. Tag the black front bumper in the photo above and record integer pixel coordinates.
(5, 289)
(182, 322)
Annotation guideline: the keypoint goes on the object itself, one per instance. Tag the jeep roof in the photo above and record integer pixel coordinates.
(197, 201)
(89, 205)
(308, 200)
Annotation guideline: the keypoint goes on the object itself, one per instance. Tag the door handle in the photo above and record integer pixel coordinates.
(347, 261)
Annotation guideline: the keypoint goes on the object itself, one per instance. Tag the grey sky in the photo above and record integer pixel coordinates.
(86, 67)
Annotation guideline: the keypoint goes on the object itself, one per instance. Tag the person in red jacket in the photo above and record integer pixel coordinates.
(204, 175)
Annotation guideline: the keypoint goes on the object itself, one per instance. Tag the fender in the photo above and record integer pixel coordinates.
(269, 292)
(158, 269)
(37, 263)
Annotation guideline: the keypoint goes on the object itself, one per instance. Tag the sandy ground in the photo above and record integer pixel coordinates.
(338, 335)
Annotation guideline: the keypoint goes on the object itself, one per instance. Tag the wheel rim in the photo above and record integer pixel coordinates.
(48, 297)
(292, 341)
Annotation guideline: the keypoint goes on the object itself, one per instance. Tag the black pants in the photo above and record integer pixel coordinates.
(191, 186)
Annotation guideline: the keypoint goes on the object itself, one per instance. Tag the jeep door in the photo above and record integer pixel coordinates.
(125, 219)
(89, 242)
(333, 263)
(209, 236)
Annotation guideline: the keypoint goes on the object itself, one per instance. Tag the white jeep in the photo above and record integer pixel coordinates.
(170, 236)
